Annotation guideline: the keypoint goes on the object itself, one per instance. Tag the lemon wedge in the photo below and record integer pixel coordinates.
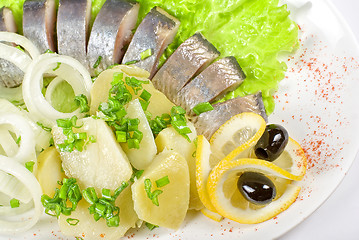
(174, 199)
(212, 215)
(230, 203)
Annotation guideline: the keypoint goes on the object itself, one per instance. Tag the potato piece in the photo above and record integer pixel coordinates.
(169, 138)
(49, 170)
(142, 157)
(102, 164)
(159, 103)
(88, 228)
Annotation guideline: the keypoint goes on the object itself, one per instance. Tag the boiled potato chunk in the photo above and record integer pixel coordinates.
(173, 201)
(102, 164)
(159, 103)
(169, 138)
(88, 228)
(142, 157)
(49, 170)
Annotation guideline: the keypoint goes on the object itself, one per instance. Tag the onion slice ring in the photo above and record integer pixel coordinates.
(64, 67)
(22, 41)
(14, 168)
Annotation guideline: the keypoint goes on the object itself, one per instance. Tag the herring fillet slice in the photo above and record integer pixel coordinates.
(155, 32)
(39, 21)
(209, 122)
(72, 28)
(213, 83)
(111, 31)
(10, 75)
(193, 55)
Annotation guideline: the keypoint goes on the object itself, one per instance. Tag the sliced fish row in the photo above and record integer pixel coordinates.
(10, 76)
(39, 20)
(208, 122)
(156, 31)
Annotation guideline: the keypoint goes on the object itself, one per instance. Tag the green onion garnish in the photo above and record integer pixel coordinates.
(162, 181)
(147, 53)
(121, 136)
(151, 226)
(72, 221)
(145, 95)
(97, 63)
(47, 129)
(57, 66)
(131, 62)
(81, 100)
(20, 48)
(14, 203)
(18, 140)
(202, 107)
(136, 174)
(49, 51)
(30, 165)
(152, 195)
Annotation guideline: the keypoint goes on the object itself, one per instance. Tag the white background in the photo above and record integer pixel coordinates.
(338, 217)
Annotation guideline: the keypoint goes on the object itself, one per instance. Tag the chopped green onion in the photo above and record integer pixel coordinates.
(137, 135)
(112, 66)
(30, 165)
(133, 143)
(49, 51)
(162, 181)
(145, 95)
(57, 66)
(18, 140)
(177, 110)
(72, 221)
(20, 48)
(119, 190)
(152, 195)
(121, 136)
(133, 124)
(202, 107)
(14, 203)
(146, 54)
(47, 129)
(97, 63)
(131, 62)
(136, 174)
(81, 100)
(151, 226)
(144, 104)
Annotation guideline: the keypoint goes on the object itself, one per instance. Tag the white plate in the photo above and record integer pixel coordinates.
(316, 103)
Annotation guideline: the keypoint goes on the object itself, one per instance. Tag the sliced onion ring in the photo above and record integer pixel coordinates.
(15, 56)
(14, 168)
(70, 70)
(22, 41)
(20, 126)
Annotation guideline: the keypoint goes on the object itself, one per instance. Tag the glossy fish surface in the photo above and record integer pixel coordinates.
(212, 84)
(153, 35)
(207, 123)
(10, 75)
(193, 55)
(73, 19)
(39, 21)
(111, 32)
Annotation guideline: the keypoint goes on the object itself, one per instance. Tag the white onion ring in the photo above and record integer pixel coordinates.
(12, 94)
(74, 73)
(15, 56)
(10, 186)
(14, 168)
(52, 87)
(7, 142)
(22, 41)
(20, 126)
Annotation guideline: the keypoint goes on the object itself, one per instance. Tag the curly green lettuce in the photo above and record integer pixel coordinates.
(254, 31)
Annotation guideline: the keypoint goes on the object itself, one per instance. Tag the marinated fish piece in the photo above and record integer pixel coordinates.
(152, 36)
(38, 22)
(212, 84)
(190, 58)
(10, 75)
(207, 123)
(112, 30)
(72, 28)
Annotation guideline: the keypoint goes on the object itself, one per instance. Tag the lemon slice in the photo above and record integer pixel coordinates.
(203, 169)
(235, 138)
(212, 215)
(174, 199)
(229, 202)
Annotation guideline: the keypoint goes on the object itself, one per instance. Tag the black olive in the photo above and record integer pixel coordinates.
(256, 188)
(272, 143)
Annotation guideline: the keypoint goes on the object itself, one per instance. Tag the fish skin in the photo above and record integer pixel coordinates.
(193, 55)
(212, 84)
(10, 75)
(72, 28)
(111, 31)
(208, 123)
(39, 20)
(155, 32)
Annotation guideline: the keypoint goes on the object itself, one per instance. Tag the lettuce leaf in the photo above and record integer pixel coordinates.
(254, 31)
